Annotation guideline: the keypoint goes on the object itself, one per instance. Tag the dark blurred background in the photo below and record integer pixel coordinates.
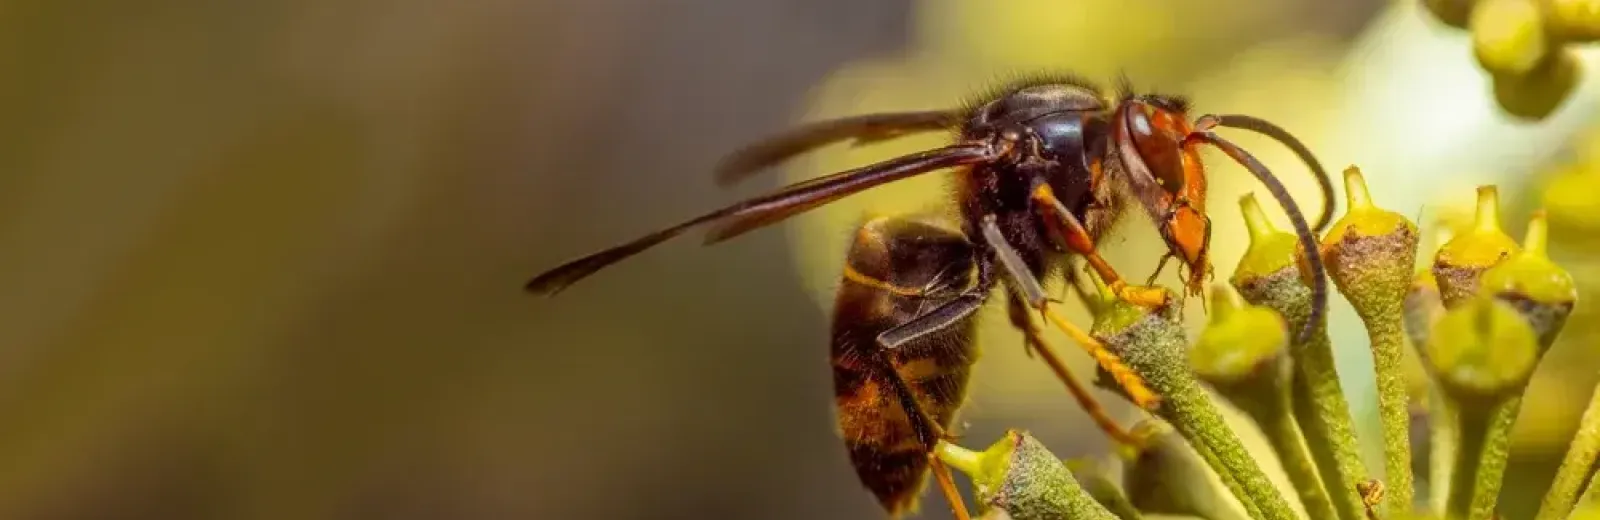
(263, 260)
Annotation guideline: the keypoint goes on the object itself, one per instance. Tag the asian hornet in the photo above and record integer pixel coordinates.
(1041, 168)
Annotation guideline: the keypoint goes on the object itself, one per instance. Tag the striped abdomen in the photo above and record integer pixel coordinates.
(898, 269)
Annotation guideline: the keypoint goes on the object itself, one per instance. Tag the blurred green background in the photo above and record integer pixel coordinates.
(262, 260)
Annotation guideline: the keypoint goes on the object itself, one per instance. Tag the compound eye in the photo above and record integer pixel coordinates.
(1158, 135)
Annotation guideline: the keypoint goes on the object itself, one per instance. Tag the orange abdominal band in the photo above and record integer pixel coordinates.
(850, 273)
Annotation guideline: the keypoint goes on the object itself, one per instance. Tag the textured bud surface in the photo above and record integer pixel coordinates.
(1459, 264)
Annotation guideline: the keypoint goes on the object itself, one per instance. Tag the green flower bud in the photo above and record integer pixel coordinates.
(1538, 93)
(1483, 349)
(1482, 354)
(1508, 36)
(1459, 264)
(1538, 288)
(1269, 276)
(1021, 477)
(1369, 253)
(1241, 343)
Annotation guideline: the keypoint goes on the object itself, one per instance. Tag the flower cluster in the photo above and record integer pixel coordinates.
(1525, 45)
(1479, 316)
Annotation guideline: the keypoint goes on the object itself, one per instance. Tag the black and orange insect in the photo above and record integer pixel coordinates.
(898, 268)
(1042, 169)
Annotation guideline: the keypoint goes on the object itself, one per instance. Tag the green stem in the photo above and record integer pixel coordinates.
(1190, 411)
(1480, 466)
(1275, 416)
(1388, 341)
(1324, 415)
(1103, 490)
(1443, 441)
(1155, 346)
(1482, 354)
(1577, 466)
(1243, 355)
(1223, 466)
(962, 459)
(1370, 253)
(1320, 407)
(1168, 477)
(1590, 496)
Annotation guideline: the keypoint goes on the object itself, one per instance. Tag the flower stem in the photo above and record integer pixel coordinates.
(1388, 341)
(1452, 282)
(1103, 490)
(1590, 497)
(1243, 355)
(1288, 441)
(1166, 475)
(1269, 276)
(1154, 345)
(1576, 467)
(962, 459)
(1483, 354)
(1442, 449)
(1480, 465)
(1423, 307)
(1370, 253)
(1324, 416)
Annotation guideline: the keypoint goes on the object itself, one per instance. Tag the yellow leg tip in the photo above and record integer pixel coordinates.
(1151, 297)
(947, 485)
(1131, 383)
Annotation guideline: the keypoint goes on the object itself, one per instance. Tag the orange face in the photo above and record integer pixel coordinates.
(1189, 236)
(1177, 198)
